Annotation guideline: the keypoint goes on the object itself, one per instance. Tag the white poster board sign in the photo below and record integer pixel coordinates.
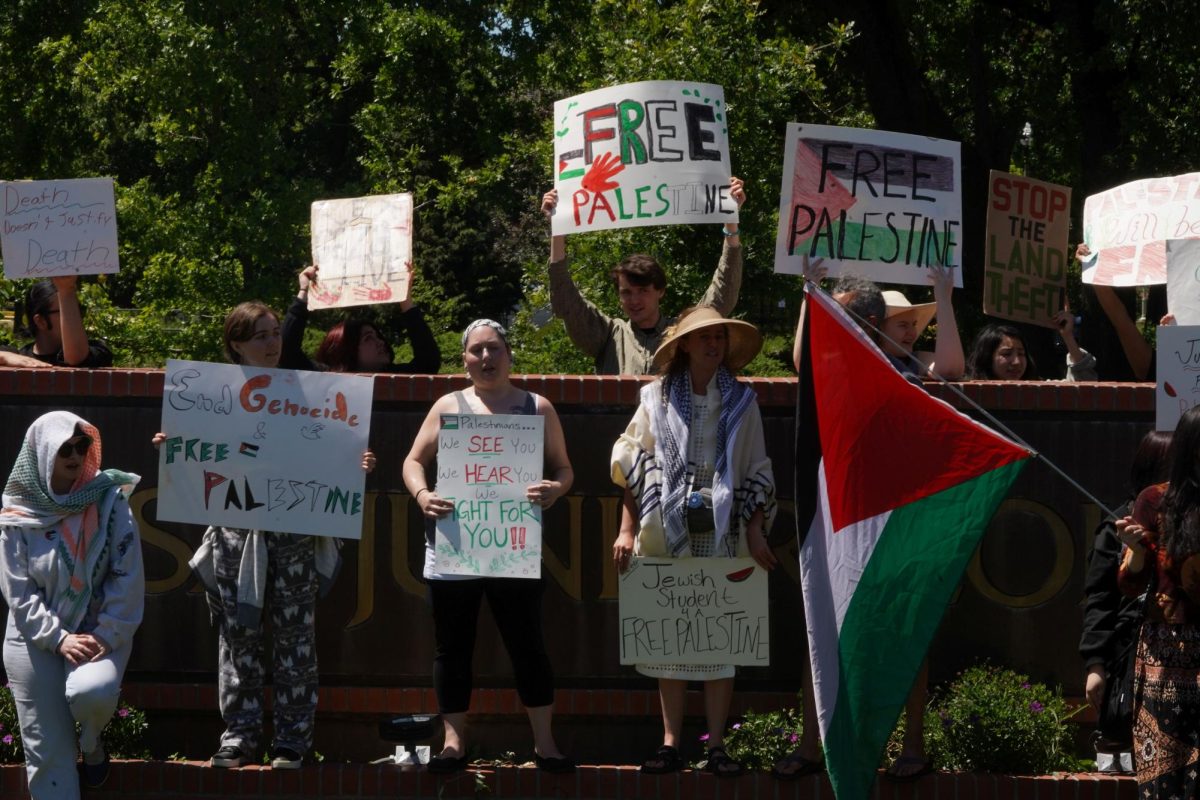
(53, 228)
(1183, 280)
(650, 153)
(1178, 371)
(876, 204)
(485, 462)
(694, 611)
(1127, 228)
(362, 245)
(265, 449)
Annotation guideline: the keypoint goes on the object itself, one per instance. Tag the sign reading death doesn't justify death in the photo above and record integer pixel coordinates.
(265, 449)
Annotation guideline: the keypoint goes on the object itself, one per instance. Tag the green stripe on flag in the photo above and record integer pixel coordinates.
(896, 608)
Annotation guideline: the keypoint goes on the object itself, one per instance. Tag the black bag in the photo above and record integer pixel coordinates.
(1115, 723)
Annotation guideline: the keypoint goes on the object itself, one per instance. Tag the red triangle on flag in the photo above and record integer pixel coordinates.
(884, 440)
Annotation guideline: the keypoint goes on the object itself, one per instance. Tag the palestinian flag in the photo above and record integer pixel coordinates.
(894, 490)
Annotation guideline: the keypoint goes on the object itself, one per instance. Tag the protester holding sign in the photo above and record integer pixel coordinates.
(627, 346)
(905, 322)
(56, 325)
(516, 603)
(999, 354)
(355, 345)
(71, 574)
(243, 572)
(698, 483)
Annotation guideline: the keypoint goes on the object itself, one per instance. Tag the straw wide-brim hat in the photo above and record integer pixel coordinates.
(744, 339)
(898, 304)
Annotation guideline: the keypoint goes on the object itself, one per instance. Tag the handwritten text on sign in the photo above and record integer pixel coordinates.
(694, 611)
(361, 245)
(1127, 228)
(871, 203)
(1025, 269)
(53, 228)
(1178, 373)
(266, 449)
(650, 153)
(485, 463)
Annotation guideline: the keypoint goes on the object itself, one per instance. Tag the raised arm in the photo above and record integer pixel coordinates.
(947, 359)
(427, 356)
(726, 282)
(291, 355)
(589, 327)
(1137, 351)
(70, 319)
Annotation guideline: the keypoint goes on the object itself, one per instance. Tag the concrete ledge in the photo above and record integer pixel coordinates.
(144, 780)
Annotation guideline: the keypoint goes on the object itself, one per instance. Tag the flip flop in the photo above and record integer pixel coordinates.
(446, 765)
(801, 767)
(665, 759)
(923, 767)
(720, 764)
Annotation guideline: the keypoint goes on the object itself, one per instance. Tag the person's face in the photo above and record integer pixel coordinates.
(1008, 360)
(47, 322)
(902, 329)
(263, 347)
(640, 303)
(67, 467)
(486, 358)
(373, 352)
(706, 348)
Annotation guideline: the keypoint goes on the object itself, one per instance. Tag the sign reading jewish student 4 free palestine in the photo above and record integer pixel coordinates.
(650, 153)
(694, 611)
(1127, 228)
(1178, 371)
(51, 228)
(265, 449)
(1025, 267)
(362, 245)
(485, 462)
(880, 205)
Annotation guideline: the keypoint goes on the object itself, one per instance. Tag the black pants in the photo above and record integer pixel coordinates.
(516, 605)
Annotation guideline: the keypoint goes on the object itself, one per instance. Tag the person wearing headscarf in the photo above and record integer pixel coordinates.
(71, 574)
(697, 483)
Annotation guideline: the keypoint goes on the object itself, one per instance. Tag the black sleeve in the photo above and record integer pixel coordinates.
(427, 358)
(99, 356)
(1103, 600)
(292, 354)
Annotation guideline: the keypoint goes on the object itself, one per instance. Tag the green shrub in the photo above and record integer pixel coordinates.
(123, 737)
(995, 720)
(761, 740)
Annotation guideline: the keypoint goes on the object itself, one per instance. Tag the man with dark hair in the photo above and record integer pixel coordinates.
(626, 346)
(56, 325)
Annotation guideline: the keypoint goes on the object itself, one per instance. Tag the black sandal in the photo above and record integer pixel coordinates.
(720, 764)
(666, 759)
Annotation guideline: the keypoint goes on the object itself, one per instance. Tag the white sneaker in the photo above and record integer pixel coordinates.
(285, 758)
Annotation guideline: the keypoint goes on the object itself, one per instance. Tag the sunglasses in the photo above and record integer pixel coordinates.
(80, 447)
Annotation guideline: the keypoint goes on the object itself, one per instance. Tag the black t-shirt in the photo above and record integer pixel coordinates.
(98, 355)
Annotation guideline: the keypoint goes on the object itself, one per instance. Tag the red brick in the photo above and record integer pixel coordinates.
(156, 382)
(629, 785)
(351, 780)
(509, 702)
(119, 384)
(411, 701)
(288, 782)
(395, 701)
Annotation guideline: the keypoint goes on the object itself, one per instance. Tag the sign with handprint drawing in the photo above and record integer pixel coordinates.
(362, 245)
(650, 153)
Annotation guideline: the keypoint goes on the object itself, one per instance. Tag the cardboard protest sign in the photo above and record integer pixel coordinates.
(1127, 228)
(876, 204)
(1178, 370)
(1183, 280)
(485, 462)
(1025, 267)
(51, 228)
(694, 611)
(650, 153)
(266, 449)
(362, 245)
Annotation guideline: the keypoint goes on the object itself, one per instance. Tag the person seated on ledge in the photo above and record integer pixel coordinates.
(905, 322)
(627, 346)
(999, 354)
(355, 345)
(56, 325)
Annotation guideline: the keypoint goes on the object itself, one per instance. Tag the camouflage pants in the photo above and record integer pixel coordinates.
(291, 592)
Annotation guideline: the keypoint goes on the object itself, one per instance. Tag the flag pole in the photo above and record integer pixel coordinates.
(997, 424)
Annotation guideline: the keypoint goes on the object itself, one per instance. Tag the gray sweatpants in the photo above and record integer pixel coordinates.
(291, 594)
(51, 696)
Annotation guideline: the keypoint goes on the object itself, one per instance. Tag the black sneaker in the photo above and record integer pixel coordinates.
(229, 756)
(93, 776)
(285, 758)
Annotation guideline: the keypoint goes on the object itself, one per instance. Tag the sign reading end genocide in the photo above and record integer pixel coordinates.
(650, 153)
(694, 611)
(51, 228)
(485, 462)
(265, 449)
(879, 205)
(362, 245)
(1025, 267)
(1127, 228)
